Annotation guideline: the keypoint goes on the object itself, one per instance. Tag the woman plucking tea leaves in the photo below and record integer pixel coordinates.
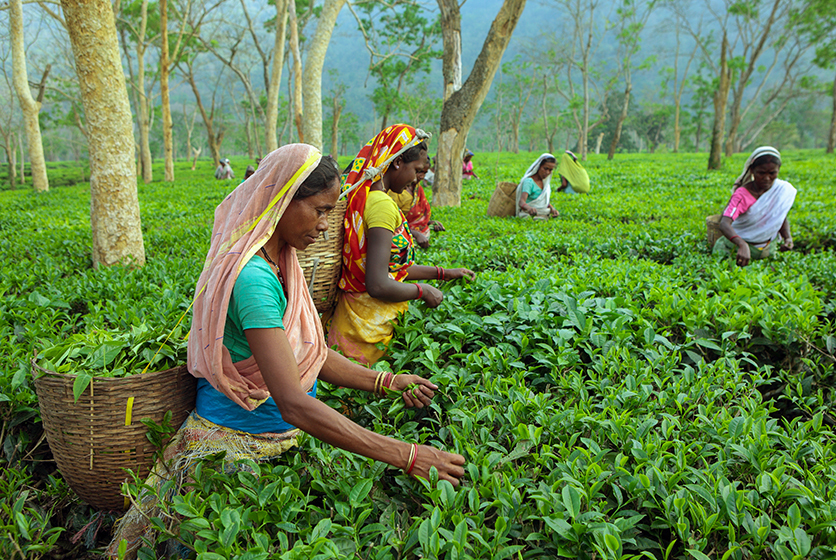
(256, 342)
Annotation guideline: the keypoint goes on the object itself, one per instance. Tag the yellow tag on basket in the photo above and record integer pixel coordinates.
(128, 411)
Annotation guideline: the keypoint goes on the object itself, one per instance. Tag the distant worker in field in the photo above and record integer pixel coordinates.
(757, 213)
(467, 166)
(416, 209)
(224, 170)
(378, 251)
(534, 190)
(573, 177)
(249, 172)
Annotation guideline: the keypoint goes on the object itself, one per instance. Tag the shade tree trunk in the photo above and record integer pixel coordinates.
(296, 55)
(312, 78)
(462, 102)
(271, 141)
(168, 144)
(721, 95)
(30, 107)
(114, 204)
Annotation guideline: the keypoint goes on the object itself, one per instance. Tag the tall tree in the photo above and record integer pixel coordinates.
(517, 91)
(165, 62)
(312, 78)
(29, 105)
(168, 59)
(672, 75)
(463, 100)
(8, 124)
(135, 18)
(214, 131)
(632, 18)
(818, 23)
(336, 101)
(586, 31)
(227, 52)
(759, 39)
(721, 96)
(114, 205)
(396, 58)
(753, 36)
(271, 141)
(296, 55)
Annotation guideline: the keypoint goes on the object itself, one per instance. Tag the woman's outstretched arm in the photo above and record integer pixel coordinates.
(342, 372)
(275, 359)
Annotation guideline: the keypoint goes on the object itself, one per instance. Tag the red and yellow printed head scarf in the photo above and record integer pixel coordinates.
(369, 167)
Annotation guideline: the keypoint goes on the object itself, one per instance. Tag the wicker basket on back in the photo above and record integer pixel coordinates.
(503, 200)
(95, 439)
(712, 230)
(322, 260)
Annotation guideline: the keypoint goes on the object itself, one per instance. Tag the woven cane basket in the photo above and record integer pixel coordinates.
(503, 200)
(322, 260)
(712, 230)
(95, 439)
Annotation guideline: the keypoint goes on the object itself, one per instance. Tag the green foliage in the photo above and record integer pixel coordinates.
(617, 391)
(401, 38)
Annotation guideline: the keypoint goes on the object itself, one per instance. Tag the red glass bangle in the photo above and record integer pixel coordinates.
(420, 291)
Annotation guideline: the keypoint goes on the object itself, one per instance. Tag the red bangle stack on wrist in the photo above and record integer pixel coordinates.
(439, 273)
(383, 381)
(420, 291)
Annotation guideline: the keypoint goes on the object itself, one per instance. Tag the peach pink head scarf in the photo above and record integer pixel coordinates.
(244, 221)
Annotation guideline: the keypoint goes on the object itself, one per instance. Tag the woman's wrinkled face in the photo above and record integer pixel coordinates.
(305, 219)
(765, 174)
(546, 169)
(405, 173)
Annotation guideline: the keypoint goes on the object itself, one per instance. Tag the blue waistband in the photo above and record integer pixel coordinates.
(218, 408)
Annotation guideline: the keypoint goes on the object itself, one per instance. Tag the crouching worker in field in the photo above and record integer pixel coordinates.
(757, 213)
(378, 249)
(257, 346)
(224, 170)
(415, 207)
(573, 177)
(534, 190)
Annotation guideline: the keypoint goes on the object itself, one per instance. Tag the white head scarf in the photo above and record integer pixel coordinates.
(746, 175)
(532, 169)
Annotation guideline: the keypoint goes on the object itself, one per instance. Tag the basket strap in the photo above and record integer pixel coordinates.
(313, 275)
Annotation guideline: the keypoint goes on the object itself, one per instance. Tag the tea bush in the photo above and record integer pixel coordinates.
(617, 391)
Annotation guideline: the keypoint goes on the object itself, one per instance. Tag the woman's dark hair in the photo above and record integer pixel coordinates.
(414, 152)
(320, 179)
(766, 158)
(546, 160)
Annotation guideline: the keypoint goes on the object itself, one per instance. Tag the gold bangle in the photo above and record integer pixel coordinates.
(411, 461)
(377, 382)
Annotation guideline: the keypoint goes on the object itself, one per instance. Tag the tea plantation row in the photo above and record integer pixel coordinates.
(617, 391)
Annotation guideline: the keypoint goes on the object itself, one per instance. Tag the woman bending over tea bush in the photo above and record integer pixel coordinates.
(573, 177)
(256, 343)
(757, 213)
(378, 251)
